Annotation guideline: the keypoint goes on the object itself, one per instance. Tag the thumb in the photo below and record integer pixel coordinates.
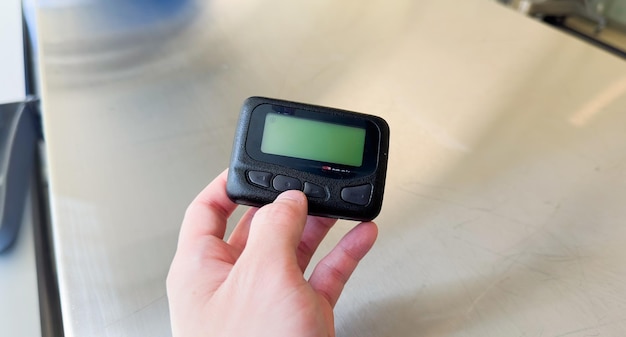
(276, 229)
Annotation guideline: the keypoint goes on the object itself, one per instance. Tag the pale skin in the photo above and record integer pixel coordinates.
(253, 283)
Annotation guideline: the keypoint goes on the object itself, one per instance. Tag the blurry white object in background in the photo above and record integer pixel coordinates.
(12, 79)
(19, 304)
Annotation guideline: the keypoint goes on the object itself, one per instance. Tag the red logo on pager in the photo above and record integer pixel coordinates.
(334, 169)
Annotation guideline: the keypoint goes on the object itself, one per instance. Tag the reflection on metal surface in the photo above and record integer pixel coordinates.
(591, 9)
(613, 35)
(103, 40)
(596, 105)
(600, 21)
(18, 137)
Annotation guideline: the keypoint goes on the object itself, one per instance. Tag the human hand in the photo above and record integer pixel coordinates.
(253, 284)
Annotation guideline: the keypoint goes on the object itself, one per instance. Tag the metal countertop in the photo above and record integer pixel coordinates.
(503, 211)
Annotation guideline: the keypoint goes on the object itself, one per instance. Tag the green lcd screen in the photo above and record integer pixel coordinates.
(313, 140)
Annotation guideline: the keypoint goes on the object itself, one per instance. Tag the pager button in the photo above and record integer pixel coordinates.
(260, 178)
(284, 183)
(358, 195)
(314, 191)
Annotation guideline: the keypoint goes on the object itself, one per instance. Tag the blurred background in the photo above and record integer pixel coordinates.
(600, 22)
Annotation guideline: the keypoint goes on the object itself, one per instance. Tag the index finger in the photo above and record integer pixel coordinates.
(208, 213)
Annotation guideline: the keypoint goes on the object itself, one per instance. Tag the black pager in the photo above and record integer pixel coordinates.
(337, 158)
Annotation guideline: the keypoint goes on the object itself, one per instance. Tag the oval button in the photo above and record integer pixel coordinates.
(284, 183)
(314, 191)
(358, 195)
(260, 178)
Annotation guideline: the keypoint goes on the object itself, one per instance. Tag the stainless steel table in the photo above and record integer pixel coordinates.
(504, 211)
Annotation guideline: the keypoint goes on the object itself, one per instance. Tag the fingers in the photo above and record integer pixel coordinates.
(239, 236)
(315, 230)
(276, 229)
(208, 213)
(334, 270)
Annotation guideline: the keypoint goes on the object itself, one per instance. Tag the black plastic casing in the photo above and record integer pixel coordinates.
(242, 191)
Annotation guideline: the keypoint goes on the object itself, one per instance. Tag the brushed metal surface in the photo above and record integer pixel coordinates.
(503, 212)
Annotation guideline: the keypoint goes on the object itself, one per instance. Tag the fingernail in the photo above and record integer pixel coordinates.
(294, 195)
